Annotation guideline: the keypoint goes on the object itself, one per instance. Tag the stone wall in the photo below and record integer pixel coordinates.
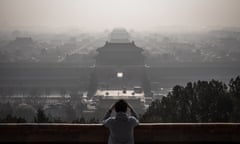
(144, 133)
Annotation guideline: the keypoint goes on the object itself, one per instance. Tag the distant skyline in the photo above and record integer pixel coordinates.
(98, 15)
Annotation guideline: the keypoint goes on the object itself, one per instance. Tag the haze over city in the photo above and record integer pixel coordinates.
(99, 15)
(173, 61)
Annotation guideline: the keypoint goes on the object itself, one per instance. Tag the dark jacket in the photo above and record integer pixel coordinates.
(121, 127)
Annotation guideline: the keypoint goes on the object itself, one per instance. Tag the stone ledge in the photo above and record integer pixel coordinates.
(144, 133)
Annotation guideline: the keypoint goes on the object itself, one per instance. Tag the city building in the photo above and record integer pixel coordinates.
(105, 98)
(119, 63)
(119, 72)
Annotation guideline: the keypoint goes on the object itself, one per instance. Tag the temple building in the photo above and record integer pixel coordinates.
(119, 72)
(120, 54)
(120, 51)
(119, 63)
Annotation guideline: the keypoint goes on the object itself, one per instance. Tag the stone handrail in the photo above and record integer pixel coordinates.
(144, 133)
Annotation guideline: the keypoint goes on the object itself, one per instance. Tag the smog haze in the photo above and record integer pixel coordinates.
(98, 15)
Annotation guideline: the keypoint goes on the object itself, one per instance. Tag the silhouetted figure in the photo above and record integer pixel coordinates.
(121, 126)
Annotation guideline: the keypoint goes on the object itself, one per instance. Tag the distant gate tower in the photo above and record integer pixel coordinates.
(119, 63)
(119, 51)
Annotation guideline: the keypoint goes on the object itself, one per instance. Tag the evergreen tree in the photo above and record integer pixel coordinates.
(70, 112)
(5, 109)
(92, 87)
(12, 119)
(81, 120)
(234, 92)
(41, 117)
(146, 85)
(201, 101)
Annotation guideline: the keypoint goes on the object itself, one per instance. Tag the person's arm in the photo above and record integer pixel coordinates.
(108, 113)
(134, 117)
(132, 111)
(107, 117)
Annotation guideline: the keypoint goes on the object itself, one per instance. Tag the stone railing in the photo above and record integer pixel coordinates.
(150, 133)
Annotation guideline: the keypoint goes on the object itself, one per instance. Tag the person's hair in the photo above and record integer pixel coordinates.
(121, 106)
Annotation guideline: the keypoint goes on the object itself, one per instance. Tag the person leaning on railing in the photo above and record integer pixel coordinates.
(121, 126)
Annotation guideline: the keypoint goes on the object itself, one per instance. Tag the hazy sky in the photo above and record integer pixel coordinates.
(106, 14)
